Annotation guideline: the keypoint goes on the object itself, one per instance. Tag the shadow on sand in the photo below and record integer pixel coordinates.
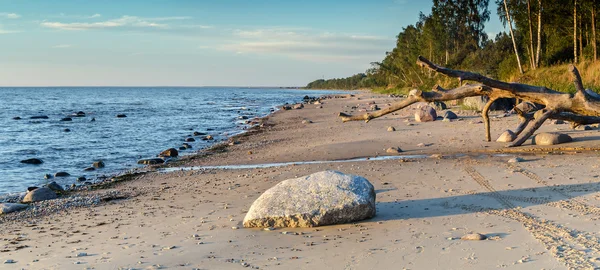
(469, 203)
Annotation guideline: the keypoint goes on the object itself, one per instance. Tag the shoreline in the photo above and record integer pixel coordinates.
(184, 219)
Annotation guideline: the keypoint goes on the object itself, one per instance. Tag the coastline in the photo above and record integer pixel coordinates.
(186, 219)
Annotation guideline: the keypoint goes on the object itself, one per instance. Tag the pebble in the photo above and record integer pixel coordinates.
(516, 160)
(9, 261)
(234, 228)
(81, 254)
(390, 129)
(474, 237)
(169, 247)
(269, 229)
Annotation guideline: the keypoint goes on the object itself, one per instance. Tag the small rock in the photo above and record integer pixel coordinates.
(81, 178)
(121, 115)
(450, 115)
(48, 176)
(208, 138)
(9, 261)
(39, 117)
(16, 118)
(54, 186)
(66, 119)
(298, 106)
(394, 150)
(409, 124)
(286, 107)
(67, 130)
(234, 228)
(421, 145)
(98, 164)
(557, 122)
(196, 133)
(390, 129)
(516, 160)
(35, 161)
(306, 122)
(474, 237)
(190, 139)
(425, 114)
(171, 152)
(81, 254)
(583, 127)
(89, 169)
(507, 136)
(62, 174)
(186, 146)
(93, 119)
(151, 161)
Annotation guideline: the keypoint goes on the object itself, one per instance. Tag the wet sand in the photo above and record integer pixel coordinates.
(538, 214)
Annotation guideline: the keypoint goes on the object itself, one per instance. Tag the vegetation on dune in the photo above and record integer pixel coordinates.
(543, 36)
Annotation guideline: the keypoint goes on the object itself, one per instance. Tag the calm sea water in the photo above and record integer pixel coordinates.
(157, 119)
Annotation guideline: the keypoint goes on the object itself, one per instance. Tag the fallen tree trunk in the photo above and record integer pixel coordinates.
(578, 108)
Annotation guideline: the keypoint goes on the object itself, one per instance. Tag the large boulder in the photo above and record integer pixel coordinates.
(322, 198)
(550, 138)
(425, 114)
(6, 208)
(171, 152)
(39, 194)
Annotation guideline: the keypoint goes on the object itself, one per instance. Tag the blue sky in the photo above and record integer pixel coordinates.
(197, 42)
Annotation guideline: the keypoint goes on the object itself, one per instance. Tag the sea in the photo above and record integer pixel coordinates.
(157, 118)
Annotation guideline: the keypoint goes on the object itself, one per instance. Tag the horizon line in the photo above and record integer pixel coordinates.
(147, 86)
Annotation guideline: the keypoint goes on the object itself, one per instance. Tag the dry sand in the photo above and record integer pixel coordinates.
(538, 214)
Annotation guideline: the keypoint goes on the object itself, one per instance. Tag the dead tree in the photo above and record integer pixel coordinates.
(579, 108)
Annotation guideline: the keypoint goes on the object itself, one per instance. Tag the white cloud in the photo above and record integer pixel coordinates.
(95, 16)
(123, 22)
(308, 45)
(62, 46)
(10, 15)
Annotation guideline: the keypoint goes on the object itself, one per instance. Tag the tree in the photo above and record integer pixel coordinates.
(539, 34)
(512, 35)
(575, 31)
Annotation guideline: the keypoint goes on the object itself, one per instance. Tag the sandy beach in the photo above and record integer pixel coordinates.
(541, 213)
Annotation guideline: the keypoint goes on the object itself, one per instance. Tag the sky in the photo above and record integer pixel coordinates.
(197, 42)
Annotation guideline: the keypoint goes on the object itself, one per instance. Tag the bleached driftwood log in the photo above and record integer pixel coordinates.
(578, 108)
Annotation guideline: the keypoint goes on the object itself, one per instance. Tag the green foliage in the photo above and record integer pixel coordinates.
(453, 35)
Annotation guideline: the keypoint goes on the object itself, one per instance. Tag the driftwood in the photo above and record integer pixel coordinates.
(579, 108)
